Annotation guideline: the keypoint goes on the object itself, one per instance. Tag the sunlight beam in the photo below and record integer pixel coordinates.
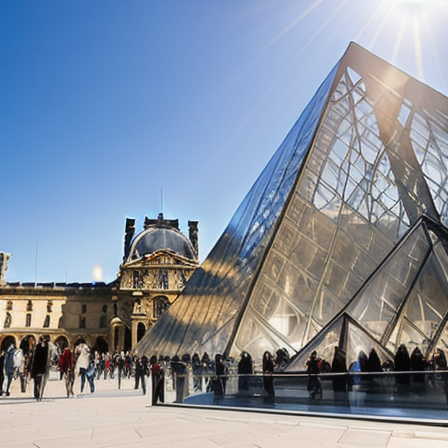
(432, 42)
(379, 30)
(418, 48)
(317, 32)
(372, 19)
(292, 25)
(398, 40)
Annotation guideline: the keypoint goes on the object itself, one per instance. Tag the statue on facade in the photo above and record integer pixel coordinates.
(137, 306)
(193, 234)
(4, 258)
(129, 234)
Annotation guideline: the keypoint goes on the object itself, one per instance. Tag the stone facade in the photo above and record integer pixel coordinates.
(108, 316)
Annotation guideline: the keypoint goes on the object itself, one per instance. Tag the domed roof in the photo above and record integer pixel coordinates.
(153, 239)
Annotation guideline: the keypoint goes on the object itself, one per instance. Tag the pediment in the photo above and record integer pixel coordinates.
(163, 257)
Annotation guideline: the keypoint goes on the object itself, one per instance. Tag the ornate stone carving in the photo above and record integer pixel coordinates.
(4, 258)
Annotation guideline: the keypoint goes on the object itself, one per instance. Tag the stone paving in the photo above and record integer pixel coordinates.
(112, 418)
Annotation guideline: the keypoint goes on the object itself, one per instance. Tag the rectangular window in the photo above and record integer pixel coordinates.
(28, 320)
(47, 321)
(84, 309)
(82, 322)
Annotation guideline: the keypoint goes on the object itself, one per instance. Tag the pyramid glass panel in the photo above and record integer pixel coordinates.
(359, 341)
(335, 224)
(324, 343)
(429, 138)
(411, 336)
(442, 342)
(382, 296)
(427, 306)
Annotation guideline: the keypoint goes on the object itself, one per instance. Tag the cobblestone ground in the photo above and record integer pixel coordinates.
(123, 418)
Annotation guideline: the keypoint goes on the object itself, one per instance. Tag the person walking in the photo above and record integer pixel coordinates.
(339, 369)
(67, 370)
(314, 385)
(2, 375)
(269, 367)
(141, 367)
(119, 363)
(9, 367)
(402, 363)
(91, 373)
(145, 372)
(245, 370)
(39, 367)
(158, 381)
(196, 368)
(82, 357)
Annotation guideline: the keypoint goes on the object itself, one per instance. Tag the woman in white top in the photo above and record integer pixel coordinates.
(82, 357)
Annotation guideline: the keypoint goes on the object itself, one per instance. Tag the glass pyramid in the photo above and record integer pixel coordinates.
(344, 229)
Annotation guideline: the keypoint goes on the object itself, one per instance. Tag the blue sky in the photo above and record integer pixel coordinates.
(105, 104)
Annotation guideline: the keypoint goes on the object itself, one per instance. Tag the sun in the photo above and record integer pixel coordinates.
(414, 7)
(98, 273)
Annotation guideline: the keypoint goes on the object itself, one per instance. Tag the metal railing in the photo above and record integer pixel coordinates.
(385, 395)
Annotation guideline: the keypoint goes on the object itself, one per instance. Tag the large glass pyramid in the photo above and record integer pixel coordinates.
(343, 238)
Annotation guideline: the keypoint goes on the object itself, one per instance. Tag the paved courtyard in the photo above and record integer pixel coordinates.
(123, 418)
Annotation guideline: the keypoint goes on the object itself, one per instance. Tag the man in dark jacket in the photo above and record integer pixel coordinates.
(39, 367)
(2, 376)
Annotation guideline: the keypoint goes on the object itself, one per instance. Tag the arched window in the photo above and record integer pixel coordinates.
(160, 305)
(7, 341)
(101, 345)
(127, 339)
(141, 330)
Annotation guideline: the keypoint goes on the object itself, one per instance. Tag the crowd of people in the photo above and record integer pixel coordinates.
(402, 363)
(83, 365)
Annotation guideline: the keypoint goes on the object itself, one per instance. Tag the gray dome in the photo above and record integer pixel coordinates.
(156, 238)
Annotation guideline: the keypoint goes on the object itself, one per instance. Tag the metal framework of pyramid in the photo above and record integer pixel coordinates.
(343, 238)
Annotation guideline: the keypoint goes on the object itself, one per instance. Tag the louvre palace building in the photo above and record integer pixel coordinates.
(157, 263)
